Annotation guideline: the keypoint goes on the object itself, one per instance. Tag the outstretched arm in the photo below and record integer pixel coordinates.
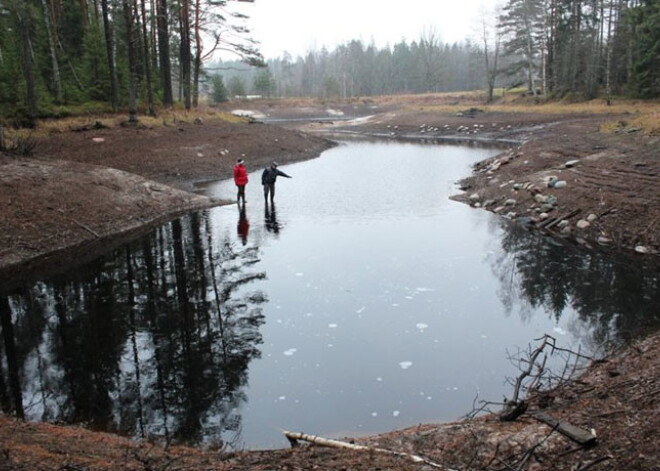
(282, 174)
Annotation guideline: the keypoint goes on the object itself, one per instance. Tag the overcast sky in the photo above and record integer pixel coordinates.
(297, 26)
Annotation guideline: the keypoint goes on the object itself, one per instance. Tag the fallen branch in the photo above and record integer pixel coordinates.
(293, 438)
(578, 435)
(585, 466)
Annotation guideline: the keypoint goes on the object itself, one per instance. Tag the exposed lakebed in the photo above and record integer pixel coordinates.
(364, 301)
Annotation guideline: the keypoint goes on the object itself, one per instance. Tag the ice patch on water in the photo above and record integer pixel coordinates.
(379, 379)
(281, 398)
(405, 364)
(559, 330)
(332, 326)
(396, 413)
(359, 311)
(484, 336)
(374, 414)
(424, 290)
(421, 326)
(300, 274)
(290, 352)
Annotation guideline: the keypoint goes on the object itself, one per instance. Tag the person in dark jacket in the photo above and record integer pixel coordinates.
(241, 179)
(268, 178)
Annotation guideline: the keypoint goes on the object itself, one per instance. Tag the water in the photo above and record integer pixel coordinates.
(364, 301)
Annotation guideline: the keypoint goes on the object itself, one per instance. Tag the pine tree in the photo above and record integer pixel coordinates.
(646, 65)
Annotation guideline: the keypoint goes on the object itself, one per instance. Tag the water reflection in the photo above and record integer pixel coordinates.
(243, 227)
(617, 296)
(270, 218)
(152, 340)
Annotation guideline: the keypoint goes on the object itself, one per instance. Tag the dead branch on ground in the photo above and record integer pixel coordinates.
(294, 437)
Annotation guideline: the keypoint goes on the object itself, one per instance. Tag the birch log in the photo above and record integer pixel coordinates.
(293, 438)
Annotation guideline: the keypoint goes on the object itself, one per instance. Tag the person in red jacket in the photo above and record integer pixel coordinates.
(241, 179)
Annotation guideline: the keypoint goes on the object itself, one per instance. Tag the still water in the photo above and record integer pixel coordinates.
(364, 300)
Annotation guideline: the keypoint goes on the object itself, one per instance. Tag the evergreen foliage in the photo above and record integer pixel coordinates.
(219, 91)
(57, 56)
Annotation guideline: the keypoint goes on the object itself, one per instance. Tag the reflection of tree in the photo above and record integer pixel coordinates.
(155, 338)
(618, 296)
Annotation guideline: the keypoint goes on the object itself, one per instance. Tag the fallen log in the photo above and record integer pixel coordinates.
(577, 434)
(293, 438)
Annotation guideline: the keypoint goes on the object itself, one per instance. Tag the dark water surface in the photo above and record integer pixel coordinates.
(364, 301)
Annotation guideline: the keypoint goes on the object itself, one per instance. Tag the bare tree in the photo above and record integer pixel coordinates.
(491, 39)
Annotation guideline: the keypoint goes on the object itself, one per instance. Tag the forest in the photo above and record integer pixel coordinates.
(63, 57)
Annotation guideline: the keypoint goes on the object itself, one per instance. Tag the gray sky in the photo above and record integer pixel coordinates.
(297, 26)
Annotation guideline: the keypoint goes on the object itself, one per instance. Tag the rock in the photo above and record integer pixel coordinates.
(592, 217)
(572, 163)
(474, 197)
(199, 120)
(563, 223)
(550, 181)
(602, 240)
(517, 186)
(543, 216)
(499, 209)
(560, 184)
(582, 224)
(510, 215)
(551, 199)
(547, 207)
(566, 230)
(488, 203)
(510, 202)
(642, 249)
(477, 205)
(98, 139)
(540, 198)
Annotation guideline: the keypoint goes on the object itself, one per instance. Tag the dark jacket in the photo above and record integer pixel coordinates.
(270, 175)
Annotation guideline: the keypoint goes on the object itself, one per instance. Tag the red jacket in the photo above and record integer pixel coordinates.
(240, 175)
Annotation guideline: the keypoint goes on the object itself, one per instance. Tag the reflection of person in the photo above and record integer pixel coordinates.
(243, 227)
(270, 219)
(268, 178)
(241, 179)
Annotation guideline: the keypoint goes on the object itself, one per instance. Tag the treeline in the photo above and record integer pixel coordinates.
(111, 54)
(554, 48)
(58, 56)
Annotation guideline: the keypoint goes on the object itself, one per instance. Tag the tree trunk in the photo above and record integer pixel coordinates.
(109, 47)
(53, 55)
(85, 14)
(132, 91)
(530, 56)
(185, 54)
(608, 57)
(198, 55)
(164, 52)
(147, 60)
(24, 24)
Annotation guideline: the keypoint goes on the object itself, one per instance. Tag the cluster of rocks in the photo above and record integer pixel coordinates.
(544, 203)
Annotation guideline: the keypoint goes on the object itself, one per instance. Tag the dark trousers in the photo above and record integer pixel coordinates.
(241, 193)
(269, 188)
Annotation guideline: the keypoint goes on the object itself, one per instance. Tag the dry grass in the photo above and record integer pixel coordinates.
(164, 118)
